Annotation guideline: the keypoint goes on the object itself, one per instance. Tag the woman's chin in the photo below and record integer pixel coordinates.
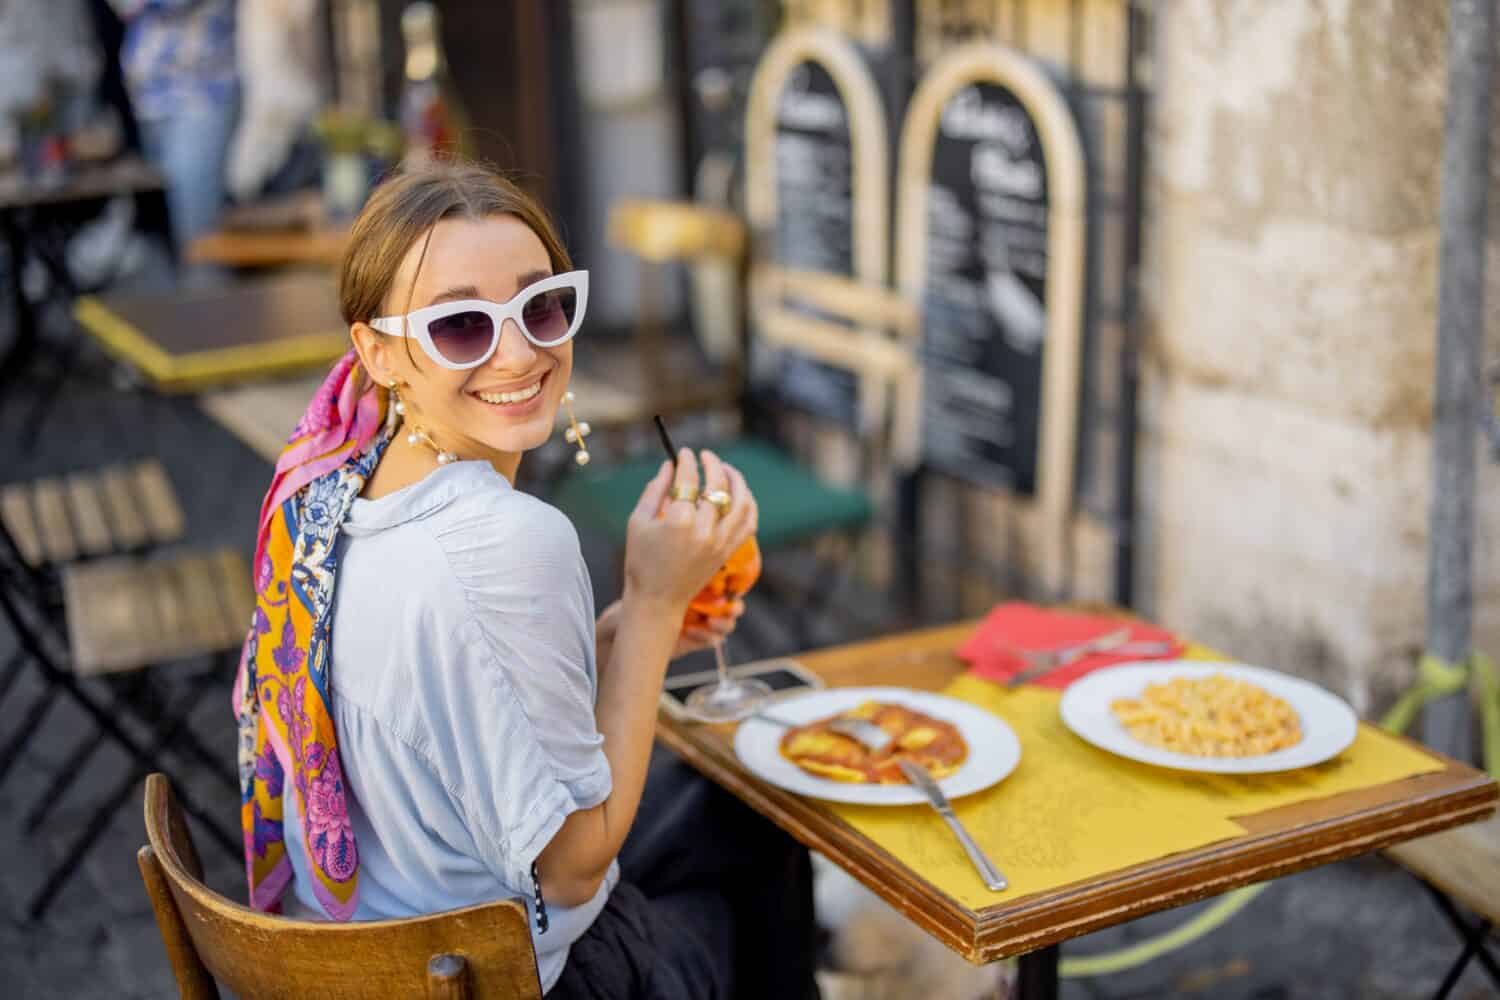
(517, 436)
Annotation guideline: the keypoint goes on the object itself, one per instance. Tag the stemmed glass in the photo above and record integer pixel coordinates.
(728, 699)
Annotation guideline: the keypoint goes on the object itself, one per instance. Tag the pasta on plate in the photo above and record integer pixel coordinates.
(1213, 716)
(932, 743)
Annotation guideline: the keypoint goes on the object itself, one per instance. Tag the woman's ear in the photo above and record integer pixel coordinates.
(374, 353)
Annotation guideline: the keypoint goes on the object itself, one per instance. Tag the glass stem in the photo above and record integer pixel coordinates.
(724, 681)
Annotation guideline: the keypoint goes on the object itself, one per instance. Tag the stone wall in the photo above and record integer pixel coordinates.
(1291, 279)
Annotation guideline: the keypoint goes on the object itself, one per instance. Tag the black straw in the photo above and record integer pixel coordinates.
(666, 440)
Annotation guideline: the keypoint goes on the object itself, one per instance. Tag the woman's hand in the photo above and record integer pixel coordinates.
(673, 547)
(691, 640)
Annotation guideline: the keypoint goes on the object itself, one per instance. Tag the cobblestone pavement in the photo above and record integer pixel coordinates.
(1361, 929)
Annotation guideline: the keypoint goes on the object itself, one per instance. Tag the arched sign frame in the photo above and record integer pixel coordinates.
(869, 166)
(992, 62)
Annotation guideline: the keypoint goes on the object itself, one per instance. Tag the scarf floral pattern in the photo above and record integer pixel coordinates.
(282, 699)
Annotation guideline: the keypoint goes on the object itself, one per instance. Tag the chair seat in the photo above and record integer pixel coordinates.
(1463, 863)
(795, 506)
(105, 512)
(126, 613)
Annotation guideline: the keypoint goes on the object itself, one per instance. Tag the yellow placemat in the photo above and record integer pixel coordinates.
(1071, 811)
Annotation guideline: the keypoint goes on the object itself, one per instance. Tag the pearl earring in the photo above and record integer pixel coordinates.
(576, 431)
(417, 436)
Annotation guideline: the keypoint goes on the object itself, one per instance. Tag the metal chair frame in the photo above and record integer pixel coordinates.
(29, 602)
(1474, 935)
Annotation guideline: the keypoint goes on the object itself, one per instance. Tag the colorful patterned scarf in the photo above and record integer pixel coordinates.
(281, 696)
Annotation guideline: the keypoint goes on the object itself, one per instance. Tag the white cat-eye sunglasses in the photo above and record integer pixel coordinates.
(465, 334)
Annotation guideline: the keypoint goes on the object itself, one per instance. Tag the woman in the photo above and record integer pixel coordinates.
(423, 725)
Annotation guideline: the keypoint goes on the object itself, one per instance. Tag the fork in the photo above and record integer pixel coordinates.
(1048, 658)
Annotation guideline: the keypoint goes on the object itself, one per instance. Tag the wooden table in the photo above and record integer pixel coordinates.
(84, 182)
(281, 231)
(277, 248)
(1277, 842)
(192, 338)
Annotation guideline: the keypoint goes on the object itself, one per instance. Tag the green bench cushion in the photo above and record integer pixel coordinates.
(795, 506)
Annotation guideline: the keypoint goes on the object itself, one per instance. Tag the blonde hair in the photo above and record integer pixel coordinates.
(404, 208)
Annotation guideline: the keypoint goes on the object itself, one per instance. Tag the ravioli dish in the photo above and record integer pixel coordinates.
(932, 743)
(1213, 716)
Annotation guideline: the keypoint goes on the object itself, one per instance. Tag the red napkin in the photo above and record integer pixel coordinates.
(1008, 627)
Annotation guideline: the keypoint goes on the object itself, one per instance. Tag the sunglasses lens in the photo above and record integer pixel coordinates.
(462, 338)
(548, 316)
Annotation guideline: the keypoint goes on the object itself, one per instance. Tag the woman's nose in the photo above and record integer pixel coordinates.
(514, 353)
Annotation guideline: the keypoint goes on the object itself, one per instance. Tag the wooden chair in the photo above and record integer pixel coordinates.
(1461, 866)
(479, 951)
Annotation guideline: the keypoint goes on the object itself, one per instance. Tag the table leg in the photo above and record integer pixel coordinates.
(23, 342)
(1037, 979)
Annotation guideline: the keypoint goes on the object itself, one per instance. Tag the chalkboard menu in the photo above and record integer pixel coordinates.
(814, 227)
(985, 291)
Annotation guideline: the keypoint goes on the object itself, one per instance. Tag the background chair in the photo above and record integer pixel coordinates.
(479, 952)
(865, 330)
(134, 642)
(711, 241)
(1461, 868)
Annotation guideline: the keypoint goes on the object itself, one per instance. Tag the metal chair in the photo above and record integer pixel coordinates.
(477, 952)
(1461, 868)
(124, 638)
(51, 522)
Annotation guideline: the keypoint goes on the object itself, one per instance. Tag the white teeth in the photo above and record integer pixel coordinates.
(519, 396)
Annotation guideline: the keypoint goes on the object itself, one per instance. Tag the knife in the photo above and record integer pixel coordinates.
(922, 781)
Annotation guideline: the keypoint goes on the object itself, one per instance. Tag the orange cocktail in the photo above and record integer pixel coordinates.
(733, 580)
(728, 698)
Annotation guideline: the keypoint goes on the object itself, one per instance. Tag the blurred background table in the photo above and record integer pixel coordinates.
(189, 339)
(34, 216)
(233, 248)
(291, 230)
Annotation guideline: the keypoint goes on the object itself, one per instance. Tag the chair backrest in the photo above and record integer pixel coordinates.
(867, 330)
(710, 242)
(663, 231)
(479, 952)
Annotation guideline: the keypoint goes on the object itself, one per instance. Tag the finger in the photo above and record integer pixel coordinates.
(685, 480)
(741, 521)
(654, 493)
(741, 497)
(699, 636)
(722, 626)
(714, 478)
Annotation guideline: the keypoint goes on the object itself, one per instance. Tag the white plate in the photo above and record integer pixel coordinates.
(1328, 723)
(994, 750)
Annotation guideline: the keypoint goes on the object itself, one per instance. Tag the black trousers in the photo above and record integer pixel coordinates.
(714, 903)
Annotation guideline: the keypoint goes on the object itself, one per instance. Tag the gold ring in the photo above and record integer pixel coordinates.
(687, 493)
(720, 499)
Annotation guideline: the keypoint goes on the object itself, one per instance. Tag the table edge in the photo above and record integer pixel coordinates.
(1059, 914)
(185, 372)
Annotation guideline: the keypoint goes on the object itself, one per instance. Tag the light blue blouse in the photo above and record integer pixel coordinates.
(463, 693)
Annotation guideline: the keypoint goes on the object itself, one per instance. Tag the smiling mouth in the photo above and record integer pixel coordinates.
(511, 398)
